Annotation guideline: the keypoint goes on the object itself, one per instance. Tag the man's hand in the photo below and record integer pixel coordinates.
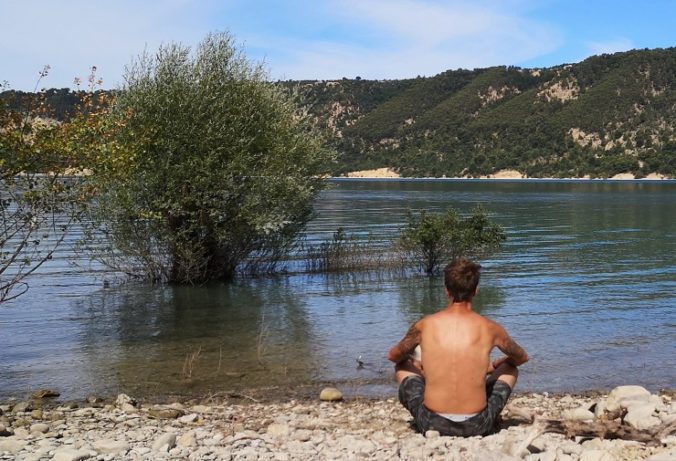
(496, 363)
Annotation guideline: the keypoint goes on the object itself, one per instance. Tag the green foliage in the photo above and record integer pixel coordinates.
(214, 172)
(430, 240)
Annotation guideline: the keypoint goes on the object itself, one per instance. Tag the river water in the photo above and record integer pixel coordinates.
(586, 282)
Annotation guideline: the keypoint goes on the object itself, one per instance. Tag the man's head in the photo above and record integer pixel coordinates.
(461, 278)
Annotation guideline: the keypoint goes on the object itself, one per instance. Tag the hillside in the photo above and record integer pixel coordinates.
(609, 114)
(604, 116)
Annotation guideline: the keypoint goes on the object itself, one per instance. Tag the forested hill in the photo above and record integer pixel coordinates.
(606, 115)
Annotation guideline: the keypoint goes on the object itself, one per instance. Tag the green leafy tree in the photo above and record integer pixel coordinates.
(212, 170)
(430, 240)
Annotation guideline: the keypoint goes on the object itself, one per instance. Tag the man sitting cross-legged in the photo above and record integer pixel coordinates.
(453, 387)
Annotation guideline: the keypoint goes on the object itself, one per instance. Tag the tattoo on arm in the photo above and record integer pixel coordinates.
(514, 351)
(406, 345)
(411, 340)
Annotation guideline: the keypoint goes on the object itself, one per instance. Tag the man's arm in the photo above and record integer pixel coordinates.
(516, 355)
(405, 347)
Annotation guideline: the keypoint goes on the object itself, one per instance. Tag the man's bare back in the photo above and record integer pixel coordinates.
(456, 343)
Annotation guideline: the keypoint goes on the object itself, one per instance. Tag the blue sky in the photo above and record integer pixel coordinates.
(325, 39)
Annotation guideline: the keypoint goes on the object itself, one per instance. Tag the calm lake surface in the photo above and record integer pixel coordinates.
(586, 282)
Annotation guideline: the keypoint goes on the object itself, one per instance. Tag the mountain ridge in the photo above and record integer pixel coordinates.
(607, 115)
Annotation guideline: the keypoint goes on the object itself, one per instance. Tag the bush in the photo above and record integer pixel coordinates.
(346, 253)
(217, 172)
(430, 240)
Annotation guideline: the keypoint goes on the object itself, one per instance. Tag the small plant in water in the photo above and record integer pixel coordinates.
(189, 362)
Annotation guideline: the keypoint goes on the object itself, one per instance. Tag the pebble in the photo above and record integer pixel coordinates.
(39, 428)
(165, 442)
(105, 446)
(70, 454)
(578, 414)
(330, 394)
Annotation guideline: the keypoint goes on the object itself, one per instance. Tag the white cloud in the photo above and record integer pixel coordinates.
(324, 39)
(410, 38)
(611, 46)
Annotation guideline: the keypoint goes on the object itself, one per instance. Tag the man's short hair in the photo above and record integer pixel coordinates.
(461, 278)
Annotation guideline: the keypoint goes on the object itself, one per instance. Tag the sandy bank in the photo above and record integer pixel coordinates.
(377, 173)
(385, 173)
(309, 429)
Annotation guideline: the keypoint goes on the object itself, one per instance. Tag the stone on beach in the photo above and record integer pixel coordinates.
(124, 399)
(106, 446)
(40, 428)
(165, 442)
(70, 454)
(624, 393)
(578, 414)
(12, 445)
(330, 394)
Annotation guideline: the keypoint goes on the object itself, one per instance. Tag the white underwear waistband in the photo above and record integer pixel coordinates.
(457, 418)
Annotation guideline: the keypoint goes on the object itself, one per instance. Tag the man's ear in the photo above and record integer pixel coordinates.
(476, 290)
(448, 294)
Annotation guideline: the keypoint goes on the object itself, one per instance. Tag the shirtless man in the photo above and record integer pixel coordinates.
(454, 388)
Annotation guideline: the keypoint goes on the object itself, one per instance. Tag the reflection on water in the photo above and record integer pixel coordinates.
(586, 282)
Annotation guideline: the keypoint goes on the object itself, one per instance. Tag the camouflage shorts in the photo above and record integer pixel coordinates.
(412, 390)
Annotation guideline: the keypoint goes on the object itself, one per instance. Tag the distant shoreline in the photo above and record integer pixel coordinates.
(502, 175)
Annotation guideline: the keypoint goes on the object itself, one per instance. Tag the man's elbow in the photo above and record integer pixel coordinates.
(393, 355)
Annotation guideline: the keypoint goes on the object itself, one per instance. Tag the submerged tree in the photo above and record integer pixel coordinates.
(214, 170)
(430, 240)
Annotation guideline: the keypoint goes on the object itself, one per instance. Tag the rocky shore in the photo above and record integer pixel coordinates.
(240, 428)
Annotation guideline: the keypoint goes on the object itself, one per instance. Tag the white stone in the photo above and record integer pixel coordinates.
(123, 399)
(70, 454)
(432, 434)
(278, 430)
(547, 456)
(302, 435)
(640, 416)
(330, 394)
(187, 419)
(165, 442)
(542, 456)
(41, 428)
(187, 440)
(600, 408)
(112, 446)
(128, 408)
(596, 455)
(486, 455)
(578, 414)
(12, 445)
(667, 455)
(624, 392)
(21, 433)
